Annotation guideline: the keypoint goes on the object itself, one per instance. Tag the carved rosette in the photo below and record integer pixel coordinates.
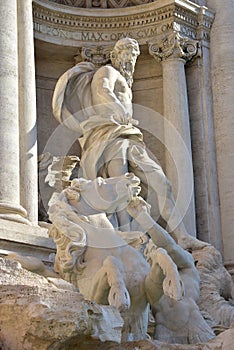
(175, 46)
(98, 55)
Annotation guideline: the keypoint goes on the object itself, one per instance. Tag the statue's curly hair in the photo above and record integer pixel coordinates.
(122, 44)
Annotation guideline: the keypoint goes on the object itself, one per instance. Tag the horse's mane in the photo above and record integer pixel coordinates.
(69, 235)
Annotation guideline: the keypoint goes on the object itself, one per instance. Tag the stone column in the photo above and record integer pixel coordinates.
(10, 207)
(174, 51)
(27, 111)
(222, 77)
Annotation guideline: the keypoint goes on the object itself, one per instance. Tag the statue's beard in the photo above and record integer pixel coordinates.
(126, 69)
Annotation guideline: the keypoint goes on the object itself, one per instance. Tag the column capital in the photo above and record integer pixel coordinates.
(174, 46)
(98, 55)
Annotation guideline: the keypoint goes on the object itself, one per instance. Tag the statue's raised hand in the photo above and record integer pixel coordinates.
(137, 206)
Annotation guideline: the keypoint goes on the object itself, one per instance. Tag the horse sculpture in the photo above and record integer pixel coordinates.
(98, 260)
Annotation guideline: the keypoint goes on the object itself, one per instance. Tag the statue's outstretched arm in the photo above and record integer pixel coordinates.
(138, 209)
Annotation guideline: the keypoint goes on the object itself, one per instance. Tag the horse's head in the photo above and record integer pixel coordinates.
(103, 195)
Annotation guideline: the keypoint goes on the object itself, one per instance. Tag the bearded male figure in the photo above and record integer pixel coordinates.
(99, 103)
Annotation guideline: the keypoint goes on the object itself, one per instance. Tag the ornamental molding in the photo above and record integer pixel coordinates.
(78, 27)
(102, 3)
(175, 46)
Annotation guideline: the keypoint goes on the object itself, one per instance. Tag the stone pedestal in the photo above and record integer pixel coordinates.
(26, 240)
(173, 51)
(10, 207)
(27, 111)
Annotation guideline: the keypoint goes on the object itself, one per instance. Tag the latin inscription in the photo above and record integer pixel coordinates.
(143, 33)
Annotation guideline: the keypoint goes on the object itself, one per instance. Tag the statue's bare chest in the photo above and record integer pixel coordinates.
(122, 90)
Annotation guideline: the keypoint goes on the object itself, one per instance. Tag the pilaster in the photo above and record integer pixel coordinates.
(203, 149)
(222, 72)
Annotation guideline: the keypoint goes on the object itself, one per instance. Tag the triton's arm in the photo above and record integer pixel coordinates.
(138, 209)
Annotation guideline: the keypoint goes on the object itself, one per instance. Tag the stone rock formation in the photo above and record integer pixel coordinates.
(35, 314)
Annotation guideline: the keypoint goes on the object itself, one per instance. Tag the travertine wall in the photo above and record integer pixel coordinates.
(222, 72)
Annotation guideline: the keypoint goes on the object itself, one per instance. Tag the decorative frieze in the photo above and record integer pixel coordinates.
(71, 26)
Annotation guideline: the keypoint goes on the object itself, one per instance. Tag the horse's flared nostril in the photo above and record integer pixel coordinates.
(129, 175)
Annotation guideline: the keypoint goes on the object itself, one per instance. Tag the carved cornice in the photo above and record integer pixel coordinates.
(102, 3)
(174, 46)
(70, 26)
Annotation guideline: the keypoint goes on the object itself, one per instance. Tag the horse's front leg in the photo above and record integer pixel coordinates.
(163, 277)
(108, 285)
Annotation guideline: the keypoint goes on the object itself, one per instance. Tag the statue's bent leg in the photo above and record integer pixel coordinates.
(152, 174)
(108, 284)
(117, 164)
(163, 277)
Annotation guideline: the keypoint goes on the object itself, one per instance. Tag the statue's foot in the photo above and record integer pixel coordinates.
(191, 243)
